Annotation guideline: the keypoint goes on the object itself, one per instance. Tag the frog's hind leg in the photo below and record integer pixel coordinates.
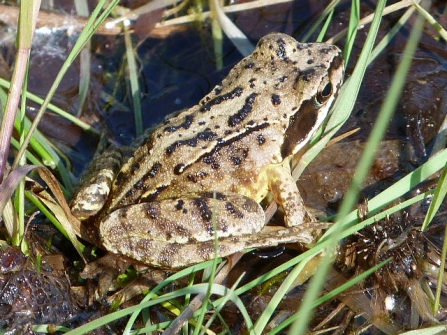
(178, 232)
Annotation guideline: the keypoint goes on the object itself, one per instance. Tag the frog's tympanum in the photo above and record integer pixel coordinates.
(191, 191)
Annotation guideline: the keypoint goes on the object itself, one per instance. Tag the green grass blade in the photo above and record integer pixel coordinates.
(27, 21)
(354, 20)
(195, 289)
(325, 27)
(330, 295)
(134, 85)
(314, 289)
(434, 330)
(430, 19)
(438, 199)
(6, 84)
(328, 9)
(86, 34)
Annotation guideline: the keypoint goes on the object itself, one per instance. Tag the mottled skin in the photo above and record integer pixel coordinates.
(236, 146)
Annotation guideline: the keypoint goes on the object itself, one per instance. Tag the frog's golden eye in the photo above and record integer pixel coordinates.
(324, 94)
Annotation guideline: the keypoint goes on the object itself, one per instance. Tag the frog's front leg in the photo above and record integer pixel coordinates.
(286, 194)
(96, 183)
(173, 233)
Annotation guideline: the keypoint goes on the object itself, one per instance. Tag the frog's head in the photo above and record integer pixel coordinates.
(314, 84)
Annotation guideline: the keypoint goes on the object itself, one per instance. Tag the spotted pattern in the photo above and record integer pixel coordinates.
(237, 92)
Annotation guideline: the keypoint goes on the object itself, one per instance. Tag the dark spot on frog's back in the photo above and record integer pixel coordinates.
(153, 170)
(197, 176)
(252, 82)
(129, 195)
(236, 160)
(327, 50)
(276, 100)
(242, 114)
(148, 143)
(204, 210)
(192, 142)
(179, 168)
(260, 139)
(232, 210)
(179, 205)
(141, 186)
(237, 92)
(281, 49)
(135, 167)
(208, 159)
(207, 136)
(151, 211)
(305, 75)
(218, 90)
(185, 125)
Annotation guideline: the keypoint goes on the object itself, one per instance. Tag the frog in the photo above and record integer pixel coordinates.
(192, 190)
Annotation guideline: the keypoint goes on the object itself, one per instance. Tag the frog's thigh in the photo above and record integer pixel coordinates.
(151, 232)
(286, 194)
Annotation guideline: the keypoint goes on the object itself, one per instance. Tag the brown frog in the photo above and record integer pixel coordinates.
(191, 191)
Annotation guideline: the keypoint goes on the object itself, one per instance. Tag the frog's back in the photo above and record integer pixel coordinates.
(236, 130)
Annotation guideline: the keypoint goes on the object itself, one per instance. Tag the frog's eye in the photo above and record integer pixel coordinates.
(324, 93)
